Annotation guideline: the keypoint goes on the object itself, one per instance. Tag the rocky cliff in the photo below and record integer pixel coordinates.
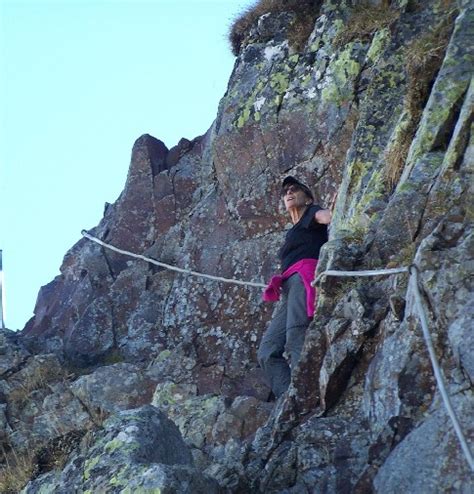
(130, 377)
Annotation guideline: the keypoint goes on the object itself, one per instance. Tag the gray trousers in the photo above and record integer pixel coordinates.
(285, 334)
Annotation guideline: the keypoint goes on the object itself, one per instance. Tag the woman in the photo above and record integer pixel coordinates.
(299, 258)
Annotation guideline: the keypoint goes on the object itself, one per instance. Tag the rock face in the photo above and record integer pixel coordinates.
(138, 450)
(377, 105)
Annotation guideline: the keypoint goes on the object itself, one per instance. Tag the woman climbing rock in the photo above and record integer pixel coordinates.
(299, 258)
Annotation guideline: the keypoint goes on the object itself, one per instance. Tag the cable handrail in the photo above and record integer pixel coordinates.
(412, 270)
(169, 266)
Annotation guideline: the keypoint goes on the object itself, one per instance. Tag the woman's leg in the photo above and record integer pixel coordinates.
(297, 319)
(270, 352)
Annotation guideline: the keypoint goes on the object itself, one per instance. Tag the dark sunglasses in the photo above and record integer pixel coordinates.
(290, 188)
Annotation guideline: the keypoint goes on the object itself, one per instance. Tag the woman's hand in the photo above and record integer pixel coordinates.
(323, 216)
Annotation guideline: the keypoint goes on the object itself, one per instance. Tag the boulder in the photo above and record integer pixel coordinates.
(430, 458)
(113, 388)
(138, 450)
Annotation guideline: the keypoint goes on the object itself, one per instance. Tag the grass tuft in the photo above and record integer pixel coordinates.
(56, 453)
(424, 57)
(17, 471)
(306, 12)
(39, 380)
(19, 468)
(364, 21)
(397, 153)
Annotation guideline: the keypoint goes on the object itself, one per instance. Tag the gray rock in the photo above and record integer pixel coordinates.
(12, 354)
(113, 388)
(40, 406)
(430, 459)
(195, 416)
(137, 449)
(51, 417)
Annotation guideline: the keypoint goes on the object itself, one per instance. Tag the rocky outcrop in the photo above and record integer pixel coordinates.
(54, 418)
(378, 106)
(138, 450)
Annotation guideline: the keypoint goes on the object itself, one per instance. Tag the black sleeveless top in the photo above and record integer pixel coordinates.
(304, 240)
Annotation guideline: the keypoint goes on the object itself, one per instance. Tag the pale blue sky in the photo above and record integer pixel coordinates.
(80, 81)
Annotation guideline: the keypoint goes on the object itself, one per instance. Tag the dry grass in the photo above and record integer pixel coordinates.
(424, 57)
(19, 468)
(56, 453)
(99, 415)
(397, 153)
(365, 20)
(17, 472)
(38, 380)
(306, 13)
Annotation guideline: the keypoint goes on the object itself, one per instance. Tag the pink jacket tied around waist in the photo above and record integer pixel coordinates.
(305, 268)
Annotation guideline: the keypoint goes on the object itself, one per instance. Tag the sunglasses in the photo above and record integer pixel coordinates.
(290, 188)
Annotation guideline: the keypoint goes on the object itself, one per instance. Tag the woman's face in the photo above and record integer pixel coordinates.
(294, 197)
